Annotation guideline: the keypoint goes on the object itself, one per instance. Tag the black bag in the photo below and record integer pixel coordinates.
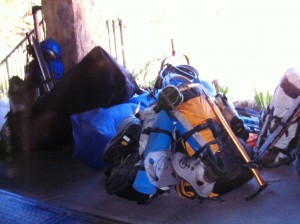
(96, 81)
(237, 173)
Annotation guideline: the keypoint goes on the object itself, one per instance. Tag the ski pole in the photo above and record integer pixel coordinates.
(239, 146)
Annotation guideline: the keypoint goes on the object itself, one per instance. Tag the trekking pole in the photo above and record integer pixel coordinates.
(37, 55)
(258, 177)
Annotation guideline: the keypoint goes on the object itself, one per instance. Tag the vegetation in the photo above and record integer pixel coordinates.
(220, 89)
(224, 90)
(262, 100)
(146, 76)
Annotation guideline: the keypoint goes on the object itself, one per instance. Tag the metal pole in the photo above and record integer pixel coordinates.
(35, 9)
(115, 38)
(108, 32)
(122, 41)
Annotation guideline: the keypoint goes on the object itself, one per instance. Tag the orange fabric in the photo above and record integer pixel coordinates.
(196, 111)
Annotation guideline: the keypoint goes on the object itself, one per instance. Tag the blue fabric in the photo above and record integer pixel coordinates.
(93, 129)
(145, 99)
(142, 184)
(157, 141)
(51, 44)
(209, 87)
(56, 68)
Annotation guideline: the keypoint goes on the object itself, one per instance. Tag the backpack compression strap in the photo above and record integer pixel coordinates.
(148, 131)
(195, 129)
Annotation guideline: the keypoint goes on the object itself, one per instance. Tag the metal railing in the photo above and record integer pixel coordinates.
(14, 64)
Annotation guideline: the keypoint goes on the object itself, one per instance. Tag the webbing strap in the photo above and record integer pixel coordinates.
(201, 149)
(289, 89)
(277, 122)
(148, 131)
(195, 129)
(283, 124)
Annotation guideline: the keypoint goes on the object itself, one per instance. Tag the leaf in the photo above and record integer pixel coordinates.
(263, 101)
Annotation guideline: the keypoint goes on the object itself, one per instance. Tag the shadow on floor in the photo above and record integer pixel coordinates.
(57, 179)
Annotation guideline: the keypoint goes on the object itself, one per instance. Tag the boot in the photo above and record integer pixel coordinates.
(125, 141)
(277, 157)
(195, 172)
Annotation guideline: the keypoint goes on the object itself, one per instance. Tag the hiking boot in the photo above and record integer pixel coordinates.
(276, 157)
(194, 171)
(125, 141)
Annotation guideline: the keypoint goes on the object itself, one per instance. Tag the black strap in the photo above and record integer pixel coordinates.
(283, 124)
(181, 72)
(148, 131)
(285, 152)
(195, 129)
(201, 149)
(289, 89)
(268, 121)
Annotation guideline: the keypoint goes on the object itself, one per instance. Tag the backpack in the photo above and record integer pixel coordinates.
(279, 134)
(227, 162)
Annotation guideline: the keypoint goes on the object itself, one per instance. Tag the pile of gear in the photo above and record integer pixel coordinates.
(182, 135)
(178, 142)
(182, 141)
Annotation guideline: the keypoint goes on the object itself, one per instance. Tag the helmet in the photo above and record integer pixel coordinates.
(175, 80)
(185, 70)
(51, 48)
(181, 74)
(56, 68)
(52, 53)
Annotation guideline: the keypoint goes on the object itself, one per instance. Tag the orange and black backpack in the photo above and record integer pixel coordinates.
(194, 118)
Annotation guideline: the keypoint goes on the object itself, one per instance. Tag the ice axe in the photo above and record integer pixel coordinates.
(258, 177)
(157, 84)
